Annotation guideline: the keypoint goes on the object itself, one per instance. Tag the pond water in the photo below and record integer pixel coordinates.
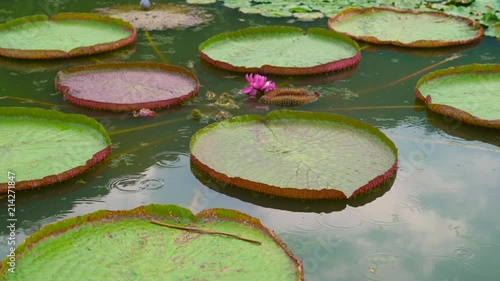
(437, 220)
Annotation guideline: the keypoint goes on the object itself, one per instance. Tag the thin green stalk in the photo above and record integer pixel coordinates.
(155, 49)
(409, 76)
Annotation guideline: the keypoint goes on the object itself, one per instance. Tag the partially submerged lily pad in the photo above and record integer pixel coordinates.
(295, 154)
(63, 36)
(468, 93)
(163, 16)
(127, 86)
(281, 50)
(116, 245)
(42, 147)
(407, 28)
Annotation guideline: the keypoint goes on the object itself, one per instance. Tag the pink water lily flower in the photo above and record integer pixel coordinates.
(257, 83)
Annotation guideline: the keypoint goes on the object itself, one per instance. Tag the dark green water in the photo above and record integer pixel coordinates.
(438, 221)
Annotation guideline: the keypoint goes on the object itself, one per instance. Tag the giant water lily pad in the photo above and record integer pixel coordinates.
(487, 12)
(295, 154)
(63, 35)
(406, 28)
(468, 93)
(43, 147)
(127, 86)
(125, 245)
(163, 16)
(281, 50)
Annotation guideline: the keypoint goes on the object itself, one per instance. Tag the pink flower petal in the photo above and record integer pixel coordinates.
(247, 90)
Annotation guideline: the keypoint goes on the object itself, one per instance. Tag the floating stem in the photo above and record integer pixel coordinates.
(204, 231)
(454, 57)
(33, 101)
(144, 127)
(158, 53)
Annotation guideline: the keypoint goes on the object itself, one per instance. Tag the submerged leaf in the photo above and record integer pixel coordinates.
(163, 16)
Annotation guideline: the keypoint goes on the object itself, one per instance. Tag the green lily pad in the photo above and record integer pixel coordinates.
(467, 93)
(482, 10)
(295, 154)
(63, 36)
(163, 16)
(32, 66)
(125, 245)
(281, 50)
(127, 86)
(43, 147)
(406, 28)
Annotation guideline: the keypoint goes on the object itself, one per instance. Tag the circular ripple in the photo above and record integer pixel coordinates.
(171, 159)
(347, 219)
(386, 265)
(464, 253)
(135, 184)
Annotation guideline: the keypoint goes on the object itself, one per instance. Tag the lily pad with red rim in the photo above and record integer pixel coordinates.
(296, 154)
(468, 93)
(119, 245)
(127, 86)
(406, 28)
(63, 36)
(281, 50)
(42, 147)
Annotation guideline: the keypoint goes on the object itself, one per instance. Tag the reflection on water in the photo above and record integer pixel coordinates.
(437, 220)
(295, 205)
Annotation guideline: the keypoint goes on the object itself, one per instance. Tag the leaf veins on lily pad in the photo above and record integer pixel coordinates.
(48, 146)
(295, 154)
(407, 28)
(127, 86)
(468, 93)
(126, 245)
(163, 16)
(63, 35)
(281, 50)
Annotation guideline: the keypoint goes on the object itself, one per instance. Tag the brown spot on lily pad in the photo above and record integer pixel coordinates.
(163, 16)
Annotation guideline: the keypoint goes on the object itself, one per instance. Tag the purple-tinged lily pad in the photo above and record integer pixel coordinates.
(281, 50)
(161, 17)
(116, 245)
(468, 93)
(127, 86)
(63, 36)
(295, 154)
(406, 28)
(43, 147)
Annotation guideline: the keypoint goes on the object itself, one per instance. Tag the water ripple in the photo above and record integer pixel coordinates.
(344, 220)
(464, 253)
(135, 183)
(171, 159)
